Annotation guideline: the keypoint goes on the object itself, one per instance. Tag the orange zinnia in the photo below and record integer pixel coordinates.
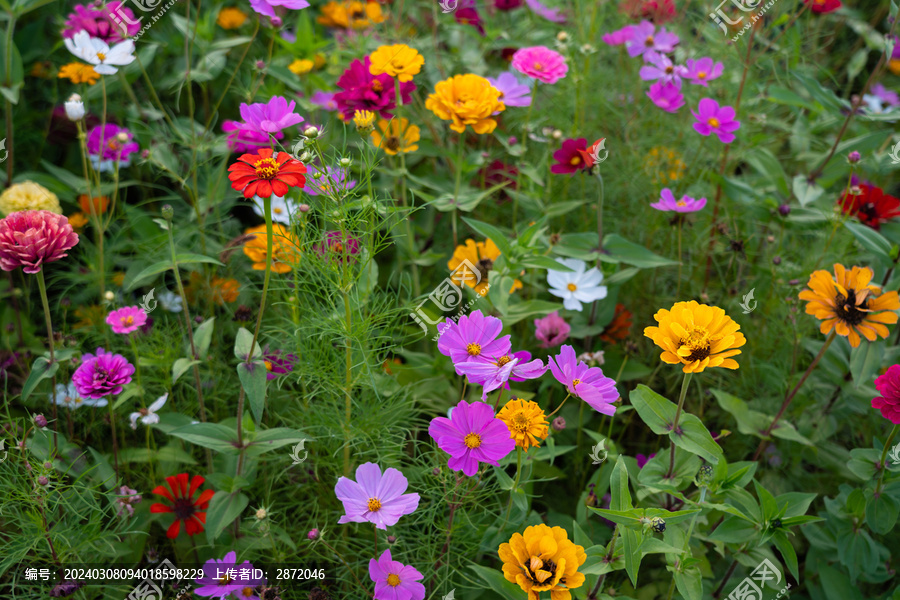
(266, 173)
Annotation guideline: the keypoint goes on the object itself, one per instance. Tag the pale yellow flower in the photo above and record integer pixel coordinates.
(28, 196)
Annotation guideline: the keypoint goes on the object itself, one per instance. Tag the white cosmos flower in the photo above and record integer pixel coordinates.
(171, 301)
(148, 415)
(577, 286)
(68, 396)
(99, 54)
(282, 208)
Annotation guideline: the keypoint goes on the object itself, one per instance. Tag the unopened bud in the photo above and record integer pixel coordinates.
(311, 132)
(74, 108)
(48, 465)
(109, 296)
(704, 475)
(345, 162)
(305, 157)
(261, 514)
(391, 539)
(313, 534)
(784, 209)
(658, 524)
(122, 137)
(167, 212)
(558, 424)
(557, 133)
(854, 157)
(42, 480)
(40, 420)
(304, 208)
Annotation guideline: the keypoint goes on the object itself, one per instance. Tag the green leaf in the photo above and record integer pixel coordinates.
(633, 254)
(696, 439)
(40, 369)
(805, 191)
(271, 439)
(165, 454)
(781, 541)
(242, 344)
(131, 390)
(865, 362)
(766, 502)
(629, 518)
(871, 240)
(223, 509)
(770, 168)
(209, 435)
(689, 583)
(544, 262)
(631, 545)
(498, 583)
(620, 496)
(655, 411)
(659, 415)
(152, 270)
(530, 308)
(492, 233)
(253, 379)
(203, 336)
(881, 512)
(188, 258)
(181, 366)
(751, 422)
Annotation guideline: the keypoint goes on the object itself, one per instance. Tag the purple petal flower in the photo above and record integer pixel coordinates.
(245, 140)
(270, 117)
(267, 7)
(324, 100)
(331, 178)
(102, 375)
(619, 36)
(126, 319)
(117, 143)
(108, 23)
(375, 498)
(687, 204)
(512, 91)
(887, 96)
(495, 373)
(643, 460)
(470, 436)
(552, 330)
(225, 576)
(667, 96)
(587, 383)
(277, 363)
(661, 68)
(473, 338)
(713, 119)
(551, 14)
(645, 39)
(702, 70)
(394, 580)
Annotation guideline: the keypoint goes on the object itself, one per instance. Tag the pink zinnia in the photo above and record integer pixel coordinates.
(470, 436)
(619, 36)
(712, 119)
(702, 70)
(30, 238)
(126, 319)
(587, 383)
(98, 22)
(541, 63)
(269, 117)
(102, 375)
(394, 580)
(475, 337)
(375, 498)
(646, 40)
(888, 386)
(552, 330)
(687, 204)
(667, 96)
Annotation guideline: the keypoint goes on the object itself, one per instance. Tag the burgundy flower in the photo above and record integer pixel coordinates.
(102, 375)
(364, 91)
(30, 238)
(871, 206)
(569, 158)
(507, 4)
(467, 14)
(496, 173)
(335, 243)
(98, 21)
(888, 386)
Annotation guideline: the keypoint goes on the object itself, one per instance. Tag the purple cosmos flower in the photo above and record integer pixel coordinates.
(269, 117)
(98, 22)
(645, 39)
(467, 14)
(662, 68)
(324, 100)
(117, 147)
(267, 7)
(330, 178)
(244, 140)
(712, 119)
(394, 580)
(643, 460)
(472, 338)
(102, 375)
(587, 383)
(126, 319)
(551, 14)
(363, 91)
(687, 204)
(702, 70)
(888, 97)
(470, 436)
(239, 581)
(541, 63)
(126, 500)
(552, 330)
(666, 96)
(375, 498)
(336, 243)
(512, 92)
(619, 36)
(492, 374)
(277, 363)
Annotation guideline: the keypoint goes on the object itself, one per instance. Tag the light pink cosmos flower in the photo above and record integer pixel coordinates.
(495, 373)
(702, 70)
(270, 117)
(662, 68)
(667, 96)
(551, 14)
(475, 337)
(619, 36)
(375, 498)
(552, 330)
(30, 238)
(687, 204)
(394, 580)
(587, 383)
(541, 63)
(126, 319)
(713, 119)
(645, 40)
(267, 7)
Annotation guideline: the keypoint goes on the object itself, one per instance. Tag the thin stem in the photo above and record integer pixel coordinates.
(515, 486)
(883, 465)
(684, 387)
(680, 261)
(560, 406)
(43, 288)
(728, 574)
(459, 166)
(600, 214)
(341, 558)
(609, 557)
(8, 106)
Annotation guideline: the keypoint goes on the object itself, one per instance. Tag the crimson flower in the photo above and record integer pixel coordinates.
(266, 173)
(823, 6)
(569, 158)
(183, 504)
(871, 206)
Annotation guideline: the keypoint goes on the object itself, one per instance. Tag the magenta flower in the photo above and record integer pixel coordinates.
(552, 330)
(126, 500)
(467, 14)
(470, 436)
(888, 386)
(541, 63)
(126, 319)
(495, 373)
(645, 40)
(102, 375)
(662, 68)
(702, 70)
(117, 147)
(240, 578)
(569, 158)
(31, 238)
(551, 14)
(269, 117)
(375, 498)
(363, 91)
(619, 36)
(687, 204)
(98, 22)
(394, 580)
(507, 4)
(324, 100)
(512, 92)
(473, 338)
(888, 97)
(587, 383)
(667, 96)
(331, 179)
(277, 363)
(712, 119)
(267, 7)
(643, 460)
(336, 243)
(245, 140)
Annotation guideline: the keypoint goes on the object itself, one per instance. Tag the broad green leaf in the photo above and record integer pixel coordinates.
(766, 502)
(881, 512)
(203, 336)
(865, 362)
(871, 240)
(530, 308)
(689, 583)
(770, 168)
(40, 369)
(181, 366)
(168, 453)
(188, 258)
(223, 509)
(253, 379)
(633, 254)
(242, 344)
(631, 546)
(693, 436)
(497, 582)
(132, 390)
(781, 541)
(209, 435)
(656, 412)
(805, 191)
(751, 422)
(630, 518)
(271, 439)
(492, 233)
(620, 496)
(544, 262)
(152, 270)
(659, 415)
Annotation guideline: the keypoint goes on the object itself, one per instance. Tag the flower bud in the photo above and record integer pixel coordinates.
(261, 514)
(658, 524)
(40, 420)
(854, 157)
(558, 424)
(562, 36)
(391, 539)
(313, 534)
(304, 208)
(167, 212)
(42, 480)
(48, 465)
(276, 21)
(704, 475)
(512, 141)
(776, 260)
(109, 296)
(122, 137)
(557, 133)
(311, 132)
(305, 157)
(436, 471)
(345, 162)
(74, 108)
(260, 64)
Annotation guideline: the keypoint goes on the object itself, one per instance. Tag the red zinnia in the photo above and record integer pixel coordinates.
(192, 512)
(264, 174)
(871, 206)
(823, 6)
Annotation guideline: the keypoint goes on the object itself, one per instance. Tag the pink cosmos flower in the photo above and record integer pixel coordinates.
(494, 373)
(324, 100)
(619, 36)
(31, 238)
(645, 39)
(470, 436)
(267, 7)
(541, 63)
(473, 338)
(126, 319)
(375, 498)
(662, 68)
(552, 330)
(269, 117)
(394, 580)
(512, 92)
(702, 70)
(888, 386)
(102, 375)
(667, 96)
(687, 204)
(240, 583)
(98, 22)
(570, 157)
(245, 140)
(551, 14)
(712, 119)
(587, 383)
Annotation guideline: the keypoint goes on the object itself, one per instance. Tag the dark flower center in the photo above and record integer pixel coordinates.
(484, 265)
(183, 508)
(392, 143)
(535, 565)
(846, 309)
(100, 376)
(870, 211)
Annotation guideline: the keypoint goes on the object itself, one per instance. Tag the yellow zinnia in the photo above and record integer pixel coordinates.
(526, 422)
(364, 121)
(28, 196)
(396, 136)
(231, 18)
(301, 66)
(849, 305)
(79, 73)
(697, 336)
(466, 100)
(482, 256)
(285, 252)
(351, 14)
(398, 61)
(543, 559)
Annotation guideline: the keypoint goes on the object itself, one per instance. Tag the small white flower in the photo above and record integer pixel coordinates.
(99, 54)
(171, 301)
(68, 396)
(282, 208)
(148, 415)
(578, 286)
(74, 108)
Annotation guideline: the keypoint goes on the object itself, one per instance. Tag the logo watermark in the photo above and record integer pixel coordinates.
(3, 451)
(123, 20)
(448, 295)
(6, 152)
(146, 305)
(745, 305)
(721, 19)
(148, 589)
(448, 6)
(295, 453)
(894, 454)
(451, 595)
(895, 153)
(751, 587)
(598, 453)
(595, 153)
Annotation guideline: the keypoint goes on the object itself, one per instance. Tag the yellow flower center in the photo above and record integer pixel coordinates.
(681, 203)
(128, 320)
(714, 122)
(648, 41)
(473, 349)
(472, 440)
(392, 143)
(538, 66)
(520, 422)
(571, 287)
(503, 360)
(575, 160)
(266, 168)
(247, 592)
(701, 75)
(575, 382)
(393, 580)
(696, 345)
(374, 505)
(277, 210)
(376, 86)
(268, 364)
(670, 69)
(101, 56)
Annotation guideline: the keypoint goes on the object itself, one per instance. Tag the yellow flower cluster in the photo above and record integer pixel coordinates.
(466, 100)
(398, 61)
(28, 196)
(351, 14)
(285, 250)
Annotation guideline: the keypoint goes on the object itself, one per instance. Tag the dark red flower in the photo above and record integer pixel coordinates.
(507, 4)
(888, 385)
(363, 91)
(569, 158)
(496, 173)
(871, 206)
(823, 6)
(657, 11)
(183, 505)
(264, 174)
(467, 14)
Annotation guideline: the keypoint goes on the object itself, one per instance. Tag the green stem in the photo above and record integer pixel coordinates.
(43, 288)
(8, 106)
(459, 167)
(515, 487)
(560, 406)
(684, 387)
(884, 452)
